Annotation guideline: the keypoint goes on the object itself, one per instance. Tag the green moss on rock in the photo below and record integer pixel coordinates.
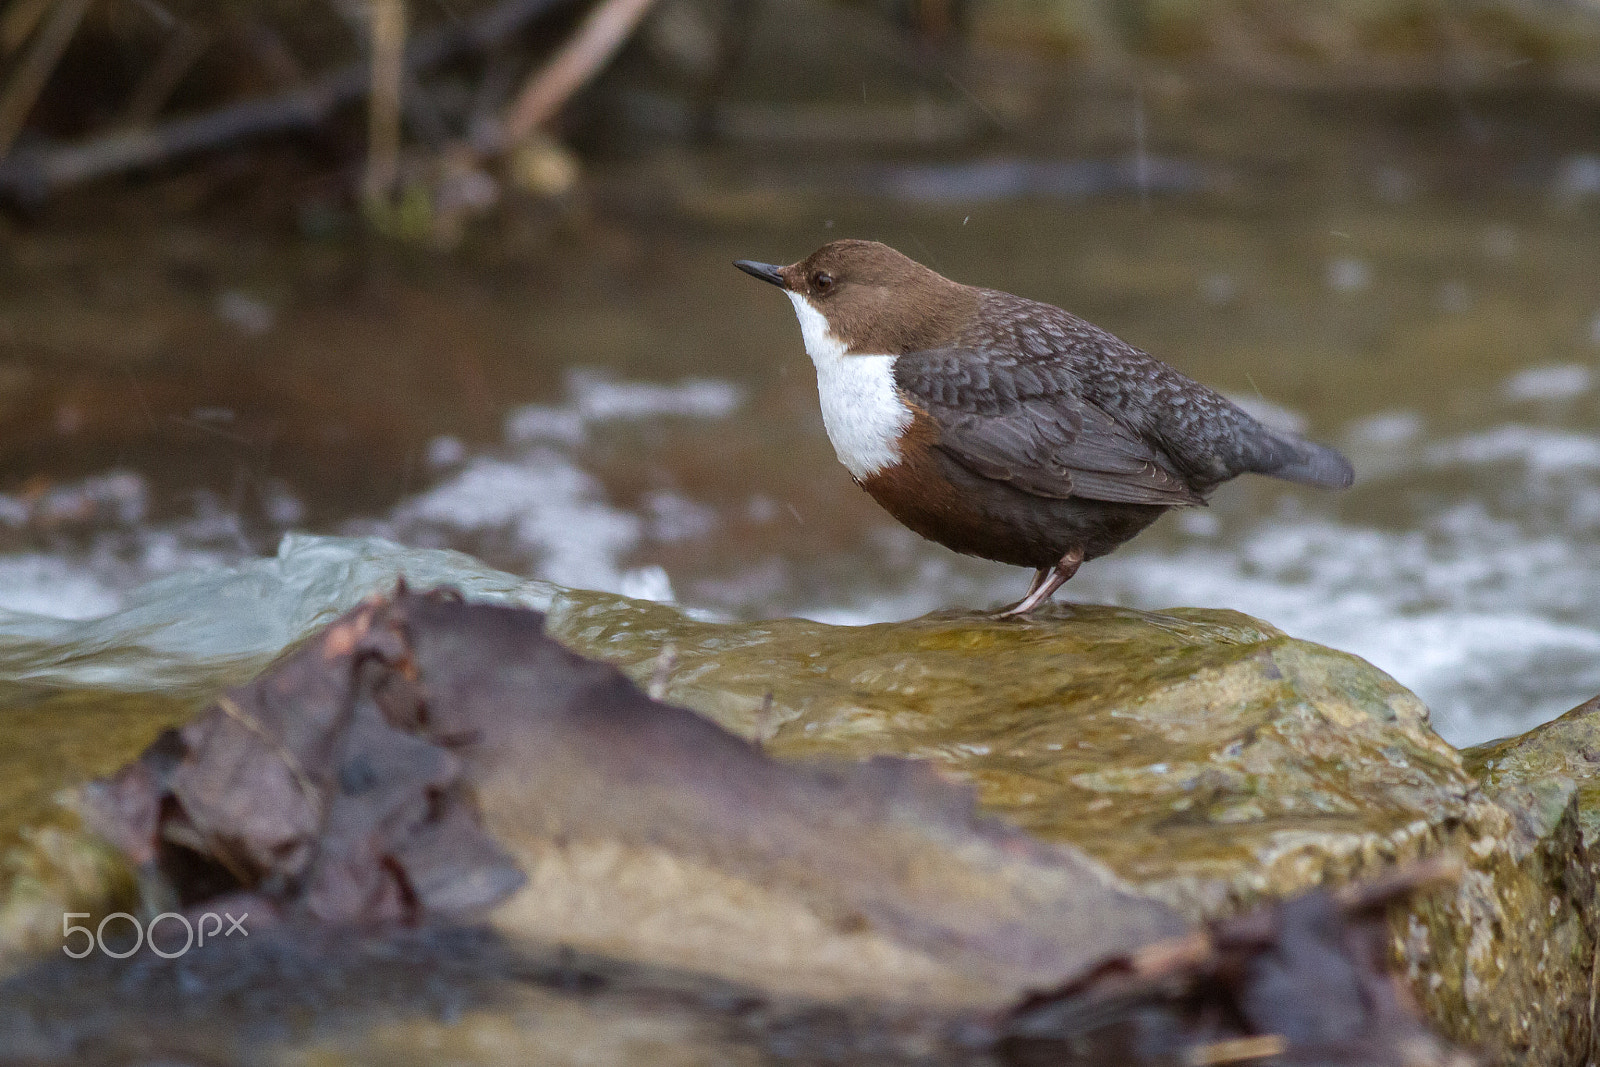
(48, 865)
(1205, 756)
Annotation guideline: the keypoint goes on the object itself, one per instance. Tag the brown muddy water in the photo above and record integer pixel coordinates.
(595, 396)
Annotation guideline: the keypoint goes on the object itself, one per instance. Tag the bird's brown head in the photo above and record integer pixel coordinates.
(874, 299)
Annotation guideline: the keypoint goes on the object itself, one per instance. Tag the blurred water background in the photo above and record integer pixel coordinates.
(1398, 255)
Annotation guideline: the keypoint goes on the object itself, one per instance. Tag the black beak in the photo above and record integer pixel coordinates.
(765, 271)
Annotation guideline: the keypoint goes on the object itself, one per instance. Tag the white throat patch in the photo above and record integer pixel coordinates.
(862, 412)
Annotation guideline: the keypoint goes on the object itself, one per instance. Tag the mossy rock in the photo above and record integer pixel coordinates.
(1531, 910)
(48, 865)
(1205, 756)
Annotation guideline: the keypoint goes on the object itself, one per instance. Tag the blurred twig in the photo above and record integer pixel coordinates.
(581, 58)
(23, 88)
(1406, 880)
(37, 172)
(387, 27)
(415, 106)
(1236, 1050)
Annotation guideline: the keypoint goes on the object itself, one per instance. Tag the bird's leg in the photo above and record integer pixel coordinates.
(1039, 576)
(1045, 583)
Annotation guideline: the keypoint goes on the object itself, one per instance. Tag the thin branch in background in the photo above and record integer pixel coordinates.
(581, 58)
(18, 23)
(421, 116)
(36, 172)
(387, 27)
(183, 47)
(23, 89)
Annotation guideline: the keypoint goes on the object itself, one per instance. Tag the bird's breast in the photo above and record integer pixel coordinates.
(863, 412)
(861, 408)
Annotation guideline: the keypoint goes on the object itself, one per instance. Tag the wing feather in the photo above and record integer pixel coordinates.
(1023, 423)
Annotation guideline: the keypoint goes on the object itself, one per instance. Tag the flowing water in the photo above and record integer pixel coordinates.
(625, 411)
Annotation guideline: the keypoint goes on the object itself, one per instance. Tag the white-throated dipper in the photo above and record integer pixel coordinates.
(1009, 429)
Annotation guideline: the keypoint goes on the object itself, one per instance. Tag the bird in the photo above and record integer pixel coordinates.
(1009, 429)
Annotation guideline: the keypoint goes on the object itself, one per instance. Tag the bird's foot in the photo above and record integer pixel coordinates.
(1046, 580)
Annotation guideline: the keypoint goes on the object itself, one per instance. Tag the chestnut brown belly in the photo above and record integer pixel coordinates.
(944, 502)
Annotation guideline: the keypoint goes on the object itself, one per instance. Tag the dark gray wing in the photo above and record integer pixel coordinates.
(1020, 421)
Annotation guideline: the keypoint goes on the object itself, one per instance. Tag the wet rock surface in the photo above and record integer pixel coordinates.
(1202, 753)
(1204, 756)
(424, 760)
(1206, 759)
(428, 758)
(1530, 901)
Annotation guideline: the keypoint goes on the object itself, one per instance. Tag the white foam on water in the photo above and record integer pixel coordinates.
(1487, 603)
(106, 518)
(445, 452)
(594, 398)
(598, 397)
(1578, 177)
(535, 493)
(1543, 451)
(115, 497)
(538, 495)
(51, 586)
(1386, 429)
(543, 422)
(1549, 383)
(1347, 274)
(673, 517)
(543, 500)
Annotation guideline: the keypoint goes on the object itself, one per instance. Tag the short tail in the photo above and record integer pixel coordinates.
(1297, 460)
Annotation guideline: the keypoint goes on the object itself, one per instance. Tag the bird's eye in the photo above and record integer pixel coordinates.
(822, 281)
